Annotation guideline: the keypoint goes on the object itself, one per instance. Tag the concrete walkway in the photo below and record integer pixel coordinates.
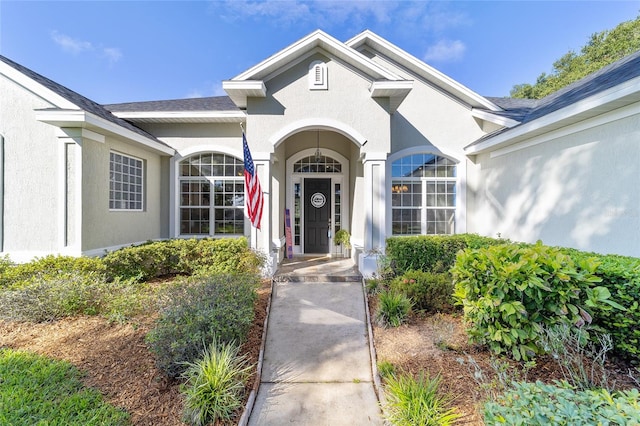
(317, 365)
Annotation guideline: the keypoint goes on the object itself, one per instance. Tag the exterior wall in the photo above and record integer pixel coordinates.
(577, 190)
(103, 228)
(289, 101)
(31, 168)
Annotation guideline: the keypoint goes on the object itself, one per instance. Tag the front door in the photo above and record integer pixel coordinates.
(317, 215)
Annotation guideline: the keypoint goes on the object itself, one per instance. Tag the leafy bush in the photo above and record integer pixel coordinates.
(621, 276)
(417, 402)
(431, 292)
(179, 256)
(214, 384)
(198, 310)
(37, 390)
(46, 299)
(431, 253)
(509, 292)
(49, 267)
(393, 309)
(560, 404)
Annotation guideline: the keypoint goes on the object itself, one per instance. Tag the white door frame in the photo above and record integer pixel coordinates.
(336, 178)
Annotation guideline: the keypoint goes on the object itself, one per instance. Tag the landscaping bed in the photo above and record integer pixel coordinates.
(435, 343)
(117, 361)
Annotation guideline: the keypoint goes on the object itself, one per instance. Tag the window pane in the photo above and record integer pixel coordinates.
(125, 182)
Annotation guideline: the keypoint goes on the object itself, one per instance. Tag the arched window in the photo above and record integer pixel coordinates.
(321, 164)
(423, 195)
(211, 195)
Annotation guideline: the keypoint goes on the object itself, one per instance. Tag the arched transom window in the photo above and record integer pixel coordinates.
(320, 164)
(211, 195)
(423, 195)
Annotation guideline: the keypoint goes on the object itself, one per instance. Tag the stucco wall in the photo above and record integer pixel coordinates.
(104, 228)
(31, 207)
(579, 190)
(347, 100)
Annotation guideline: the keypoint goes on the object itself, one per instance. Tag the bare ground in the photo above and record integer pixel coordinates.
(117, 361)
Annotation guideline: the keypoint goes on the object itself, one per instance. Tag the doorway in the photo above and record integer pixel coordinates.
(317, 215)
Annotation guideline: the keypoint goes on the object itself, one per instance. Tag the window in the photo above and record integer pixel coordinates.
(318, 76)
(423, 195)
(322, 164)
(211, 195)
(125, 182)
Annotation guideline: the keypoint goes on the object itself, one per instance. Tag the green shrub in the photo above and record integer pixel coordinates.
(431, 253)
(560, 404)
(510, 292)
(386, 369)
(417, 402)
(186, 257)
(46, 299)
(393, 309)
(49, 267)
(431, 292)
(35, 390)
(621, 276)
(214, 384)
(197, 310)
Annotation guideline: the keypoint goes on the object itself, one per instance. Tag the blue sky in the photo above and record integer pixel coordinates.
(123, 51)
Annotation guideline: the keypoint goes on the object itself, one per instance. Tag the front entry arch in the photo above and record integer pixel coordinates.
(317, 199)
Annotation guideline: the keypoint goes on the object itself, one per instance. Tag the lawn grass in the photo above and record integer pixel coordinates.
(35, 390)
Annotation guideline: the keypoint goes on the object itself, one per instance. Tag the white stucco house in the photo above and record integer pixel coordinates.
(356, 135)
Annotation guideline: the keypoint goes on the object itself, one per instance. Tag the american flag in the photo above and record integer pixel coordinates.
(255, 199)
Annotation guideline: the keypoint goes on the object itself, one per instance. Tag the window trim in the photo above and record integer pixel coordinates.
(143, 183)
(460, 216)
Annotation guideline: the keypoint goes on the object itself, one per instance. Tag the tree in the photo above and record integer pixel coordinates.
(602, 49)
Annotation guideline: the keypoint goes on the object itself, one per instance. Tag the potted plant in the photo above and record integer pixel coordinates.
(343, 238)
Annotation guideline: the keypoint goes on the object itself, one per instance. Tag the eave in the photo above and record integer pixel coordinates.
(85, 120)
(608, 100)
(240, 90)
(396, 91)
(182, 116)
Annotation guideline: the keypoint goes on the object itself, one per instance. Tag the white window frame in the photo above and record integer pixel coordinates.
(114, 182)
(460, 189)
(212, 207)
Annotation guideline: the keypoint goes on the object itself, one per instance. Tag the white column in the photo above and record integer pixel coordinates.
(375, 201)
(261, 239)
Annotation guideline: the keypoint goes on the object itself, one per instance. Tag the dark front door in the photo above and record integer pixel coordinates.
(317, 214)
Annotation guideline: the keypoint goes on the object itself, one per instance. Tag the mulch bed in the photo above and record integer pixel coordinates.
(117, 361)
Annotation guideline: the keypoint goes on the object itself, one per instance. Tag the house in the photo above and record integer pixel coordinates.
(355, 135)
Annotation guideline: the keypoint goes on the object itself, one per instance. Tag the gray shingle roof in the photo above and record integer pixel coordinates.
(528, 110)
(82, 102)
(216, 103)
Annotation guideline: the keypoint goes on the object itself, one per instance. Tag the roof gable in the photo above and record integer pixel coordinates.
(368, 39)
(251, 82)
(65, 99)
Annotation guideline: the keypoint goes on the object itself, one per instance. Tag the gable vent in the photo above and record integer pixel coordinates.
(318, 76)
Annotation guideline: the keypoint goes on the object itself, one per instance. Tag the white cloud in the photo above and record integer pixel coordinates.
(75, 46)
(445, 51)
(113, 54)
(210, 89)
(69, 44)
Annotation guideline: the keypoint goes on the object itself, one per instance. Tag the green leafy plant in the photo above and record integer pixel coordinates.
(214, 384)
(49, 267)
(430, 292)
(431, 253)
(560, 404)
(343, 237)
(393, 309)
(184, 257)
(35, 390)
(386, 369)
(510, 292)
(198, 310)
(417, 402)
